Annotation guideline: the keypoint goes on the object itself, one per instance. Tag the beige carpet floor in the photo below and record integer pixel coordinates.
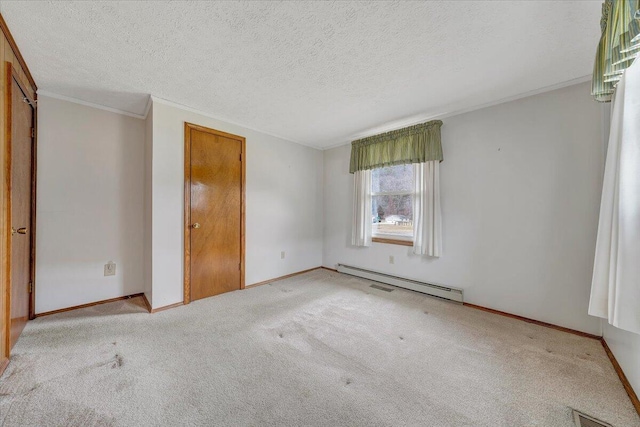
(319, 349)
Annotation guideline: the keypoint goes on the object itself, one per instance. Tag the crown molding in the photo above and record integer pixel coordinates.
(211, 116)
(414, 120)
(389, 126)
(91, 104)
(147, 108)
(159, 100)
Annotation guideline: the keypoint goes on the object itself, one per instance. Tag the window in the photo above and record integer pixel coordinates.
(392, 202)
(387, 200)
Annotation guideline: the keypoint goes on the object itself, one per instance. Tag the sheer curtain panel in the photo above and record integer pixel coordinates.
(615, 289)
(362, 217)
(427, 224)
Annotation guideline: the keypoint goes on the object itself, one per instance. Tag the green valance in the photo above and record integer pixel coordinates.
(619, 45)
(414, 144)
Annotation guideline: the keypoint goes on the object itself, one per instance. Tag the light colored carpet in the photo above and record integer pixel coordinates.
(319, 349)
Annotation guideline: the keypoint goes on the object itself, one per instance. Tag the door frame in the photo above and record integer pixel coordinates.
(11, 76)
(188, 127)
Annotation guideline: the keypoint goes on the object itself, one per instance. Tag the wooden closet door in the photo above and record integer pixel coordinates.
(21, 146)
(216, 212)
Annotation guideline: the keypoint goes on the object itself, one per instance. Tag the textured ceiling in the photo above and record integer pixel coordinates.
(316, 73)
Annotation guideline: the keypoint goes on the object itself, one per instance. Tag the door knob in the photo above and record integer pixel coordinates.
(196, 225)
(21, 230)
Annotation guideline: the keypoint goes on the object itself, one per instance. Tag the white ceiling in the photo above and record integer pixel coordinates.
(318, 73)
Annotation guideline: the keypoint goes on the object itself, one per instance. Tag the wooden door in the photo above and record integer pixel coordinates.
(214, 212)
(22, 182)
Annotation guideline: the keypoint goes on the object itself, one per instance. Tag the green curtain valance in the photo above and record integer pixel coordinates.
(414, 144)
(619, 45)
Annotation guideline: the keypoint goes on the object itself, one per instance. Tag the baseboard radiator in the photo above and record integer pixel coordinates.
(451, 294)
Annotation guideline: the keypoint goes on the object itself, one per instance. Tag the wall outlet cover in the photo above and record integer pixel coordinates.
(110, 269)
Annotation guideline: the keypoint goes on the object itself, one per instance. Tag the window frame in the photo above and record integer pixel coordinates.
(392, 241)
(389, 238)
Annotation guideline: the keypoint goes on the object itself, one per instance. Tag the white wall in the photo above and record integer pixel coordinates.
(89, 204)
(521, 185)
(147, 209)
(625, 346)
(283, 203)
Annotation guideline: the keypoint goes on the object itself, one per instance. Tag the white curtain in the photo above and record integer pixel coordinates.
(615, 289)
(362, 217)
(427, 217)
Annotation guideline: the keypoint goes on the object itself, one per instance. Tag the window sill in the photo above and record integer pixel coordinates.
(392, 241)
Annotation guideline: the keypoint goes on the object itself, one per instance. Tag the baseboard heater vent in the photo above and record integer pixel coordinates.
(451, 294)
(381, 288)
(583, 420)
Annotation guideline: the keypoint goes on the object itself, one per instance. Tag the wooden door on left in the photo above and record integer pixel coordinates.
(21, 151)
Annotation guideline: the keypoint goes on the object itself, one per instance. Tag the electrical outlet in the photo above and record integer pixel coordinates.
(391, 260)
(282, 255)
(110, 269)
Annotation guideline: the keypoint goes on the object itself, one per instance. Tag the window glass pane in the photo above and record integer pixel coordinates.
(392, 215)
(392, 179)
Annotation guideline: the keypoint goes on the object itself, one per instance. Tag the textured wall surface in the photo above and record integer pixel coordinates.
(90, 204)
(520, 205)
(314, 73)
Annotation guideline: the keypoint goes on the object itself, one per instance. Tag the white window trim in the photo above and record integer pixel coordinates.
(393, 193)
